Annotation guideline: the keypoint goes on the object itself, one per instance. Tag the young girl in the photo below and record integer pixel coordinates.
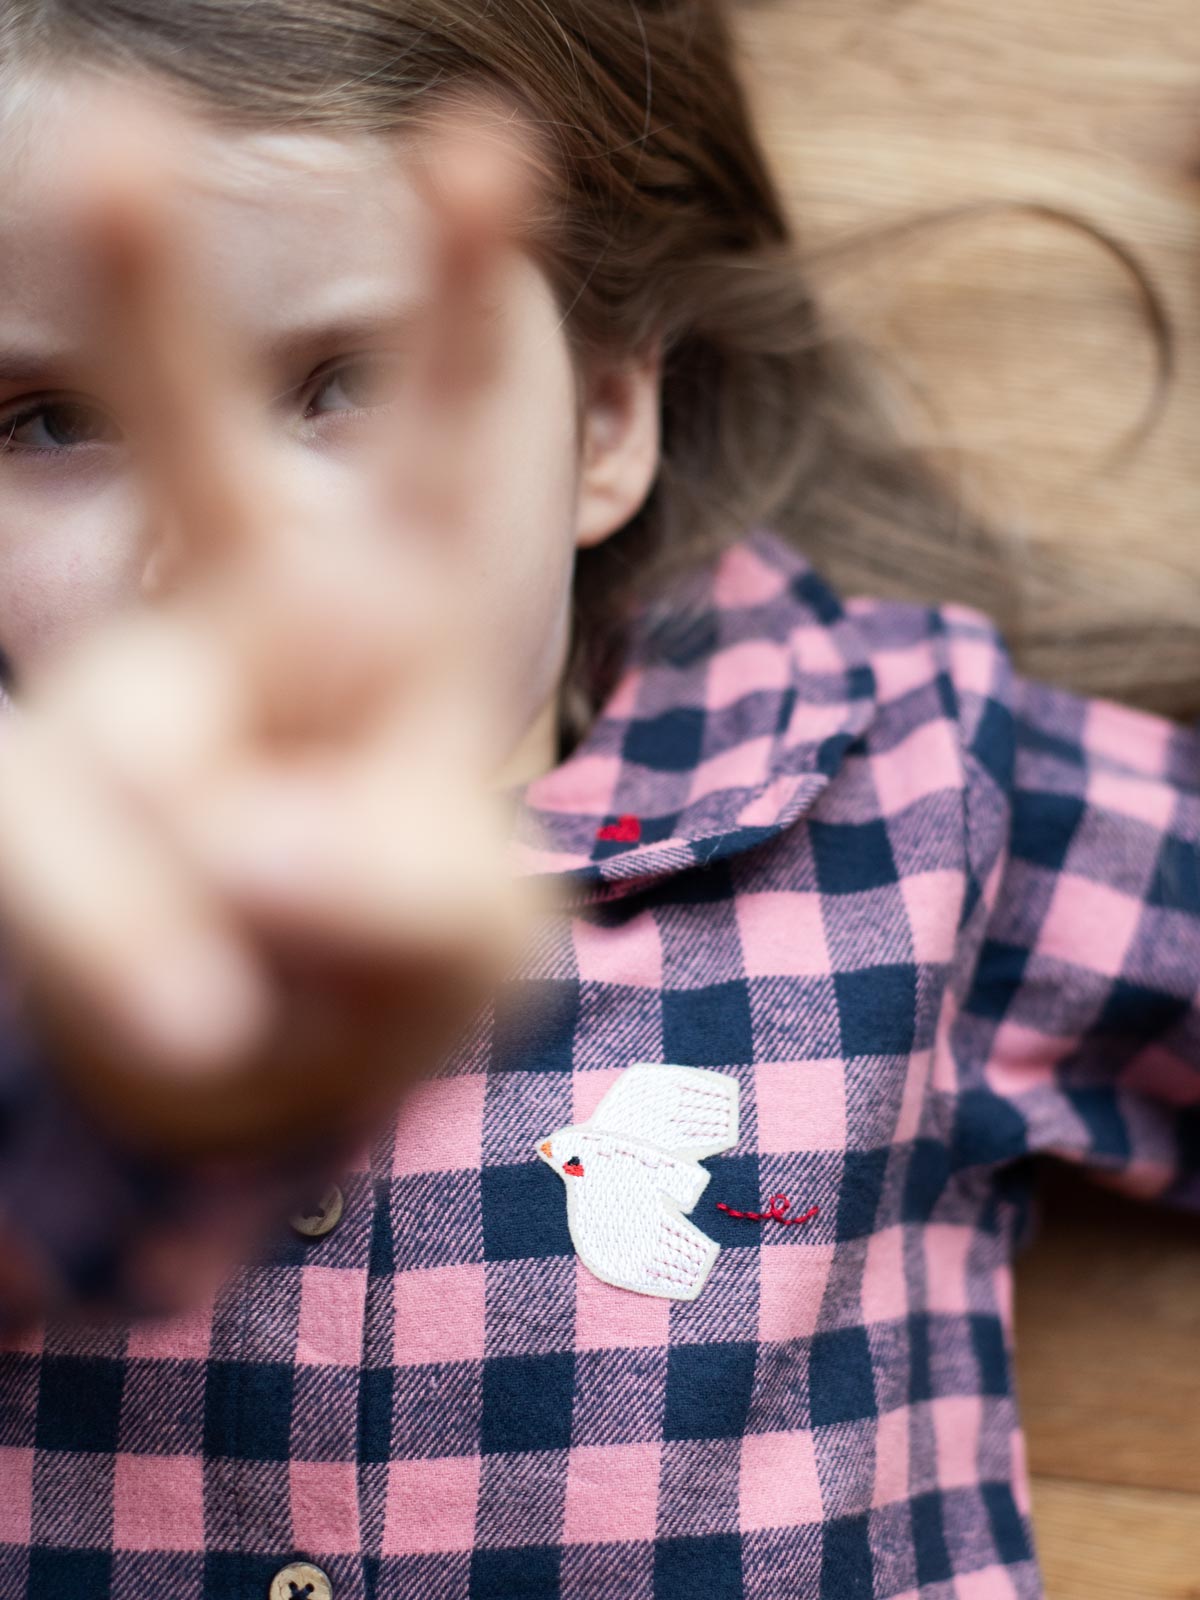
(689, 1272)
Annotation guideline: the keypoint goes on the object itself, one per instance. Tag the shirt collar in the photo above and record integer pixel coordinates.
(732, 713)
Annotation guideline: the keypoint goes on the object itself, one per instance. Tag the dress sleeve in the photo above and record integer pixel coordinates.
(91, 1227)
(1074, 1029)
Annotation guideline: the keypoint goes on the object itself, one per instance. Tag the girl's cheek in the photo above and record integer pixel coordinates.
(67, 561)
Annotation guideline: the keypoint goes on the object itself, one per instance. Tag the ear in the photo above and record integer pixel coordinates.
(620, 439)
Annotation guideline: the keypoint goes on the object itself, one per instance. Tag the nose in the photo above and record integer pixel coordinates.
(544, 1147)
(164, 562)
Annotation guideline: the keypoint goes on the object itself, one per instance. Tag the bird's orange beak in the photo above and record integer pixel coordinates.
(544, 1147)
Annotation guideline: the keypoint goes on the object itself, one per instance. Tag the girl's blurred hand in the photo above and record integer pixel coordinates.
(252, 867)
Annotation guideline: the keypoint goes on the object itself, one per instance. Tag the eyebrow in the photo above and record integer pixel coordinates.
(37, 366)
(348, 327)
(46, 366)
(325, 333)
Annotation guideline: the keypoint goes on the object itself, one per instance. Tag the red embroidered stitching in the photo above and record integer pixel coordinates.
(779, 1207)
(627, 829)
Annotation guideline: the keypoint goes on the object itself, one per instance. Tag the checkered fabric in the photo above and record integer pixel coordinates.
(935, 921)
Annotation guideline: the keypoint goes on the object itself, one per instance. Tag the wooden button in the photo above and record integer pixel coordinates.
(324, 1216)
(300, 1580)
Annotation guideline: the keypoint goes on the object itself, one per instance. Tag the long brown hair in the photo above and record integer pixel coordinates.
(669, 224)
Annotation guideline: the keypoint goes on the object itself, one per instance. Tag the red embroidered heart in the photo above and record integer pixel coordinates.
(626, 830)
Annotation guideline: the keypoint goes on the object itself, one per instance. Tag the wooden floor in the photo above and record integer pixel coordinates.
(1020, 337)
(1026, 340)
(1108, 1379)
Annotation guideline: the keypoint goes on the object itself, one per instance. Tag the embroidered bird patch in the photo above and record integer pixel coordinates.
(633, 1170)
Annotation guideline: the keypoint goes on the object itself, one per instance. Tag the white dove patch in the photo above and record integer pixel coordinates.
(633, 1170)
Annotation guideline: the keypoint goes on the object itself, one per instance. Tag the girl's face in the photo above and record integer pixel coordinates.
(307, 247)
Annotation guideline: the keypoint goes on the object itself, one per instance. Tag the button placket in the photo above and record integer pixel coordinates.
(301, 1339)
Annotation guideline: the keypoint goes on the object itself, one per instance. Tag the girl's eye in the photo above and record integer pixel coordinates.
(50, 427)
(358, 385)
(55, 427)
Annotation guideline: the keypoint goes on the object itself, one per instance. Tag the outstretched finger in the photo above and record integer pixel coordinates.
(128, 947)
(199, 441)
(478, 171)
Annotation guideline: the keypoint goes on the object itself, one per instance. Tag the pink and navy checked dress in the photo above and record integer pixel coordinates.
(935, 920)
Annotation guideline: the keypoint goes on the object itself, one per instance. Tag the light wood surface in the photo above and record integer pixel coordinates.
(1024, 343)
(1108, 1380)
(1116, 1544)
(1021, 339)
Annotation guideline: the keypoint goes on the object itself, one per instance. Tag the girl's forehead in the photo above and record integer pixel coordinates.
(272, 217)
(44, 119)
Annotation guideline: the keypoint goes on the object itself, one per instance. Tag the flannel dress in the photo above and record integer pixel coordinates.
(935, 921)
